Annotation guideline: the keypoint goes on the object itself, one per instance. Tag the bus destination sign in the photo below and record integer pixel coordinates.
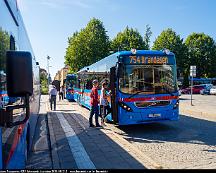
(148, 60)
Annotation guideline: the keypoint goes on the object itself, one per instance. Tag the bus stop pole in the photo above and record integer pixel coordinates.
(191, 90)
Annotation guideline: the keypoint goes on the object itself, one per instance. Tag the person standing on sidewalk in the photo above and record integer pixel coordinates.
(52, 96)
(61, 94)
(94, 104)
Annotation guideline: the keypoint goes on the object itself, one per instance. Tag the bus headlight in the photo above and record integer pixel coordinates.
(125, 106)
(176, 105)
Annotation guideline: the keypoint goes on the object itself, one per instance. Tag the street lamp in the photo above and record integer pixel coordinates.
(48, 80)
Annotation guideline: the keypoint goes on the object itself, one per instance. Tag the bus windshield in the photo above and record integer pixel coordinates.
(70, 81)
(148, 79)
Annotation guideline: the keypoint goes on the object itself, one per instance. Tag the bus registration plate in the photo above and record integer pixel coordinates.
(154, 115)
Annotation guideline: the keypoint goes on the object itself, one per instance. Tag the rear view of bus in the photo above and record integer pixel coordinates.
(146, 87)
(70, 82)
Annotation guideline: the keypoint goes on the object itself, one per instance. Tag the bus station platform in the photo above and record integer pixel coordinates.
(75, 145)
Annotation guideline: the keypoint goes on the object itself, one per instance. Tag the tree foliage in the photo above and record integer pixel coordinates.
(170, 40)
(43, 81)
(87, 46)
(202, 53)
(91, 44)
(128, 39)
(4, 46)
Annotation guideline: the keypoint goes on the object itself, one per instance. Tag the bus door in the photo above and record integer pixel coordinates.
(114, 108)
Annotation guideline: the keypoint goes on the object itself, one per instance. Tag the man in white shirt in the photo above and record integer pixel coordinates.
(52, 96)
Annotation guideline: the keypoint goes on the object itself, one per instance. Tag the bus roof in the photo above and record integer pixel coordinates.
(106, 63)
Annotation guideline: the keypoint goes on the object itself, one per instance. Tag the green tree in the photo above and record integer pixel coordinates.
(43, 81)
(128, 39)
(170, 40)
(202, 53)
(87, 46)
(72, 52)
(98, 42)
(4, 46)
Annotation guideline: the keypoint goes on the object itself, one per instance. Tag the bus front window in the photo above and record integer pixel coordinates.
(148, 79)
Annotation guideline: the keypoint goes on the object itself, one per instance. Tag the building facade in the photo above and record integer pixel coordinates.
(61, 75)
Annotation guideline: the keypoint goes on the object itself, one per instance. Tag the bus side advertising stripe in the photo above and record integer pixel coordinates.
(3, 95)
(77, 92)
(149, 98)
(87, 94)
(15, 142)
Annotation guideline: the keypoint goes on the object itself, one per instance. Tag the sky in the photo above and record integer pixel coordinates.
(49, 23)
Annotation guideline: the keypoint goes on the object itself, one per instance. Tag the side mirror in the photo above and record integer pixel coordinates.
(19, 73)
(120, 69)
(19, 84)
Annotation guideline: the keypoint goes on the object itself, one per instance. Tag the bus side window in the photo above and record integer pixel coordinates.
(89, 85)
(78, 83)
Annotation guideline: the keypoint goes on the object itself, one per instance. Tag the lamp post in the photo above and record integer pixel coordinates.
(48, 82)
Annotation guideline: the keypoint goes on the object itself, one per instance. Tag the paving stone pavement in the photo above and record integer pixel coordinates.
(102, 151)
(189, 143)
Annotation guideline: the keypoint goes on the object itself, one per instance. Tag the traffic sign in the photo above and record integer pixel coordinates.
(193, 71)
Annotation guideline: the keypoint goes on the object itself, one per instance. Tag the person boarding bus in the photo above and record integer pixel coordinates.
(104, 104)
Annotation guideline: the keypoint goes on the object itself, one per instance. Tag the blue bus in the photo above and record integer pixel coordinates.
(143, 85)
(19, 88)
(69, 83)
(199, 81)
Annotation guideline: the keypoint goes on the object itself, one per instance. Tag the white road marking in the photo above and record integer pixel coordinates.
(80, 155)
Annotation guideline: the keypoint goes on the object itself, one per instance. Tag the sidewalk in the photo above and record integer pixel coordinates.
(76, 146)
(204, 107)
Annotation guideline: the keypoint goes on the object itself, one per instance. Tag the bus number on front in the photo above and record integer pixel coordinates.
(148, 60)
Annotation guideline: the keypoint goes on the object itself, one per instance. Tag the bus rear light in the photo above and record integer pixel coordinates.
(125, 106)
